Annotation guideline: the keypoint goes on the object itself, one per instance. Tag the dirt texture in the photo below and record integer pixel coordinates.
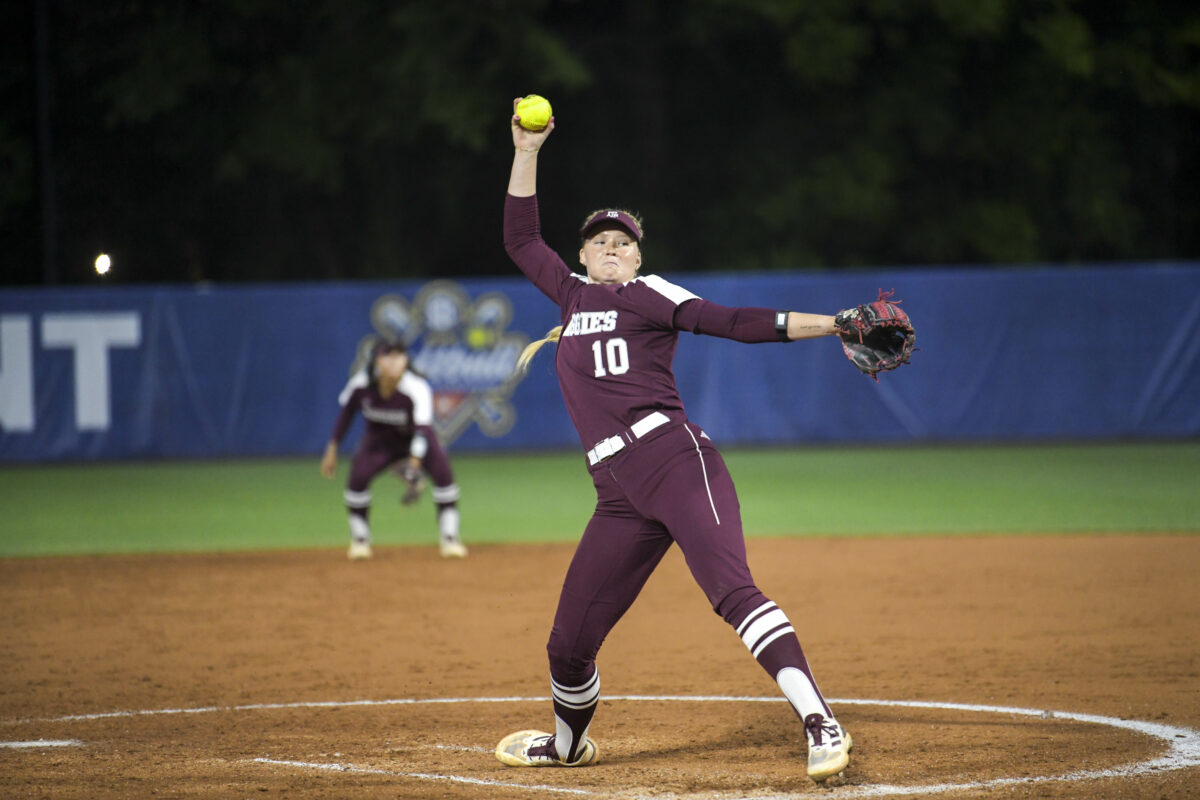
(1061, 667)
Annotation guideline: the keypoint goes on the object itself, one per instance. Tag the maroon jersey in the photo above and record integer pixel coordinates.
(391, 422)
(614, 359)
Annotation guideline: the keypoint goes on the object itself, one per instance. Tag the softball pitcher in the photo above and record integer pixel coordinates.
(397, 405)
(659, 480)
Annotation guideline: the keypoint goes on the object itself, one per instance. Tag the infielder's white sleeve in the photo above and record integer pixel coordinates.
(358, 380)
(421, 393)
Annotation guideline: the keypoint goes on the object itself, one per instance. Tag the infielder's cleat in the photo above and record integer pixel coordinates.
(359, 551)
(453, 548)
(828, 747)
(536, 749)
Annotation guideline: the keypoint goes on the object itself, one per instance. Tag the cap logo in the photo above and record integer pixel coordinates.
(610, 215)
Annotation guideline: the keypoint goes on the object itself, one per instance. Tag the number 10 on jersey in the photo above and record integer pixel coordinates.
(612, 357)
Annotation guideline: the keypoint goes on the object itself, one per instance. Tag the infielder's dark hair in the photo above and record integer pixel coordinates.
(382, 345)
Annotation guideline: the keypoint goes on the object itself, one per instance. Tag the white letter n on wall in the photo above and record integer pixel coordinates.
(90, 336)
(16, 374)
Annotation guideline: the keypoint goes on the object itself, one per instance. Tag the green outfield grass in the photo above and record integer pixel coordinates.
(269, 504)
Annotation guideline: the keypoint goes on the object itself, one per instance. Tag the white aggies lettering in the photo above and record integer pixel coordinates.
(585, 322)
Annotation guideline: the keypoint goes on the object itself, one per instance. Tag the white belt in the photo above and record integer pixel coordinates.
(615, 444)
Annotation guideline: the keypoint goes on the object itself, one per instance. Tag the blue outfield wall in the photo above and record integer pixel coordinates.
(178, 372)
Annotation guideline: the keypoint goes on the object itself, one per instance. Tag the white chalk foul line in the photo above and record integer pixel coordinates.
(37, 743)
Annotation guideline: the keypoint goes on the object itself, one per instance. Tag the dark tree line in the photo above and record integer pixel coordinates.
(319, 139)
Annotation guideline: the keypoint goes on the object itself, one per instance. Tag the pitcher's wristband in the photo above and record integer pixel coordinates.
(781, 318)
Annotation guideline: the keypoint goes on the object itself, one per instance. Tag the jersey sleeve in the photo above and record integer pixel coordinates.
(524, 244)
(351, 401)
(742, 324)
(421, 394)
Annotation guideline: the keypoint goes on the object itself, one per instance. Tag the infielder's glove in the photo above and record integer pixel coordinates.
(876, 337)
(415, 483)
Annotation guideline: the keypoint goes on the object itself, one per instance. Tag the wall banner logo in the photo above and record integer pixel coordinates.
(462, 347)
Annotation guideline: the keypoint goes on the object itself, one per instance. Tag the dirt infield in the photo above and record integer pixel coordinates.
(236, 675)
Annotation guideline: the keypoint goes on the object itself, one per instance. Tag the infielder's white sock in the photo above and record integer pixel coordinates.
(360, 531)
(448, 522)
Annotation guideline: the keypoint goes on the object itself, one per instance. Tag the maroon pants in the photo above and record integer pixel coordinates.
(373, 457)
(671, 487)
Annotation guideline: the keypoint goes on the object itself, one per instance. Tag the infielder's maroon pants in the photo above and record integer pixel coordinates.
(373, 457)
(670, 487)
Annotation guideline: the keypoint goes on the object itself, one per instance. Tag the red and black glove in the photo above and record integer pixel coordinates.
(876, 337)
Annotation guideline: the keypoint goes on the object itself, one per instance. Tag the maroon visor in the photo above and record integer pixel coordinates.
(611, 217)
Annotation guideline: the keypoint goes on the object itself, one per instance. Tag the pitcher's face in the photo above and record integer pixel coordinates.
(611, 255)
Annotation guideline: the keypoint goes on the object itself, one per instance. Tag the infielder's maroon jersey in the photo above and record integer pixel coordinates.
(392, 422)
(618, 342)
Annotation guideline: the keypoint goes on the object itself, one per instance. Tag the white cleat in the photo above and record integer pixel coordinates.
(828, 747)
(359, 551)
(453, 548)
(536, 749)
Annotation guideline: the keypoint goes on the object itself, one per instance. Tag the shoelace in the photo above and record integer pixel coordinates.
(543, 749)
(548, 749)
(818, 726)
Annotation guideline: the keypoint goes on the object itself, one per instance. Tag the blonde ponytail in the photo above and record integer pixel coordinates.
(529, 352)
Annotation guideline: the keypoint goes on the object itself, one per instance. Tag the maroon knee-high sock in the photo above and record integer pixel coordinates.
(769, 636)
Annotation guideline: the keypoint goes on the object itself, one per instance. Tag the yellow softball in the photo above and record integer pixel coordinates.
(534, 111)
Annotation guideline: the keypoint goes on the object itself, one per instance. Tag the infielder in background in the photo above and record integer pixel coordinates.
(658, 477)
(397, 405)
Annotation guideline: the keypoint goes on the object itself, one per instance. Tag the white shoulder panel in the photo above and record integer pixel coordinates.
(358, 380)
(421, 393)
(676, 294)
